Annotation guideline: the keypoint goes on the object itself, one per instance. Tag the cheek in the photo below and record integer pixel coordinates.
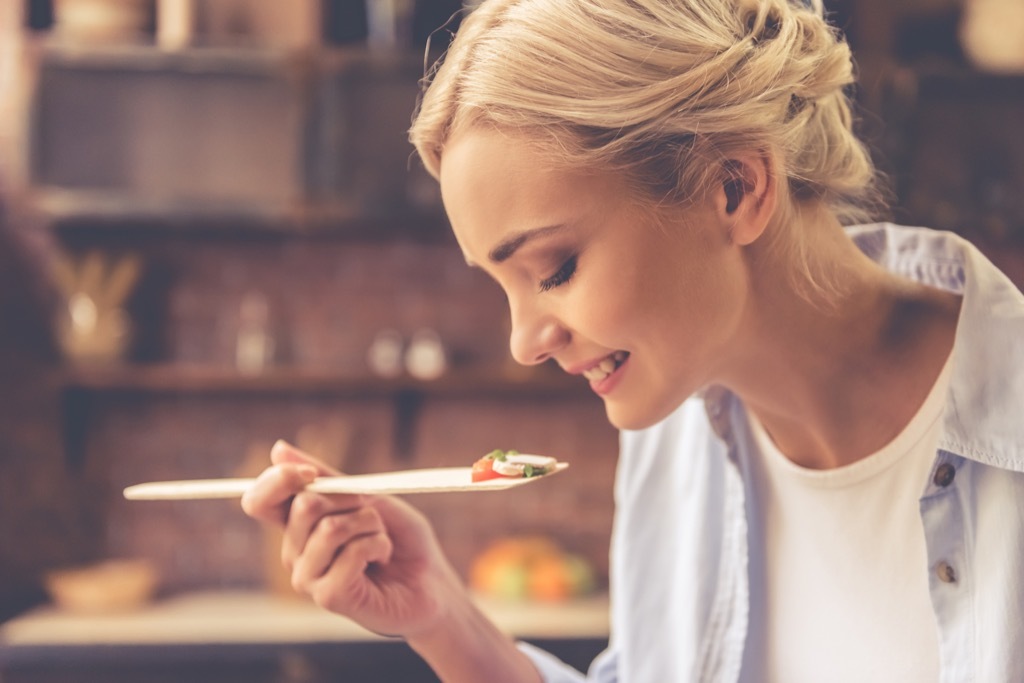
(689, 314)
(606, 313)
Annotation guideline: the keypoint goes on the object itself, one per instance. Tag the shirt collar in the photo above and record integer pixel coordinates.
(984, 408)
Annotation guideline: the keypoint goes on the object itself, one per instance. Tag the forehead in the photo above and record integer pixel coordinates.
(491, 166)
(499, 183)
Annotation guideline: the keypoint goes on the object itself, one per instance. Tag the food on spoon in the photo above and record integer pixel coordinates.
(511, 465)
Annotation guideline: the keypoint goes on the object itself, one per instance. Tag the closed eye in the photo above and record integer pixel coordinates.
(561, 277)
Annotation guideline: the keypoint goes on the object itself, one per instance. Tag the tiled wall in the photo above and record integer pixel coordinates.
(326, 300)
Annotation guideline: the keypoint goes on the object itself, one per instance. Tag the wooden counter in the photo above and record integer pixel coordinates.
(253, 617)
(256, 637)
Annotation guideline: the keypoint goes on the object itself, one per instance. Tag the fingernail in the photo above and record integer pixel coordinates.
(279, 446)
(308, 473)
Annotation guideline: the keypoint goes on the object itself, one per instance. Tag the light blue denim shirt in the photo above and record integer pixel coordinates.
(686, 547)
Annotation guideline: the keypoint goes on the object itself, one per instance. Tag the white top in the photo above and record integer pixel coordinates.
(844, 552)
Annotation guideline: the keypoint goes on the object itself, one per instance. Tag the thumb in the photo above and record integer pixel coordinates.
(283, 453)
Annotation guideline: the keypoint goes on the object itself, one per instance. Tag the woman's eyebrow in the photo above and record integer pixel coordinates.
(508, 246)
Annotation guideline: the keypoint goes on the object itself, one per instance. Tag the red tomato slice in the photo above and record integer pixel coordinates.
(482, 470)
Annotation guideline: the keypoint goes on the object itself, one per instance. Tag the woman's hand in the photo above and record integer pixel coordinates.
(374, 559)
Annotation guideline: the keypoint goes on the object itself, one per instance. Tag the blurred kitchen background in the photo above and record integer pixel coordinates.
(214, 234)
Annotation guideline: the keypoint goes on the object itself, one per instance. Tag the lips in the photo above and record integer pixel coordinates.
(606, 366)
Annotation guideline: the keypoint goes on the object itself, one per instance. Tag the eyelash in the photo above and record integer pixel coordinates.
(561, 277)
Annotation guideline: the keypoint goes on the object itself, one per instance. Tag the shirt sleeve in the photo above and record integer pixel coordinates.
(553, 670)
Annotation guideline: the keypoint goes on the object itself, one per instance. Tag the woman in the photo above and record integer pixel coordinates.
(821, 466)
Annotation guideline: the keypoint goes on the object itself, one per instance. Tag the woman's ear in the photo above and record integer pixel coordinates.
(745, 200)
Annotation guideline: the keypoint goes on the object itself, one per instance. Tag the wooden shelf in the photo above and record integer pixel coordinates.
(146, 56)
(202, 379)
(319, 136)
(217, 59)
(71, 209)
(78, 213)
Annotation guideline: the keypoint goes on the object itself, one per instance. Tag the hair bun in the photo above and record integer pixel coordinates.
(660, 89)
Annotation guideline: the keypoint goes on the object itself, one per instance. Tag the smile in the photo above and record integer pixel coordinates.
(606, 367)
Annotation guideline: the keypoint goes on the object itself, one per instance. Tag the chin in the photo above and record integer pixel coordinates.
(623, 418)
(634, 416)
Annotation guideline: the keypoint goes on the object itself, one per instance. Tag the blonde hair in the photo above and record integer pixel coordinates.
(664, 90)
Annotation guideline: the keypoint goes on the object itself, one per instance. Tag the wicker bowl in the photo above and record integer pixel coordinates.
(110, 586)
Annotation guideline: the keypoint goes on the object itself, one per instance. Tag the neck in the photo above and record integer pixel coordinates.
(836, 371)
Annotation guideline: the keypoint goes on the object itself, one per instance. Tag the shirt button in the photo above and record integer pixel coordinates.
(944, 475)
(945, 572)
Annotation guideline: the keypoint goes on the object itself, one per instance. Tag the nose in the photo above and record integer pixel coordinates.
(536, 336)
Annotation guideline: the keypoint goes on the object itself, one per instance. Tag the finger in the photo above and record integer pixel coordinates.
(340, 588)
(329, 537)
(306, 512)
(283, 453)
(270, 496)
(269, 499)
